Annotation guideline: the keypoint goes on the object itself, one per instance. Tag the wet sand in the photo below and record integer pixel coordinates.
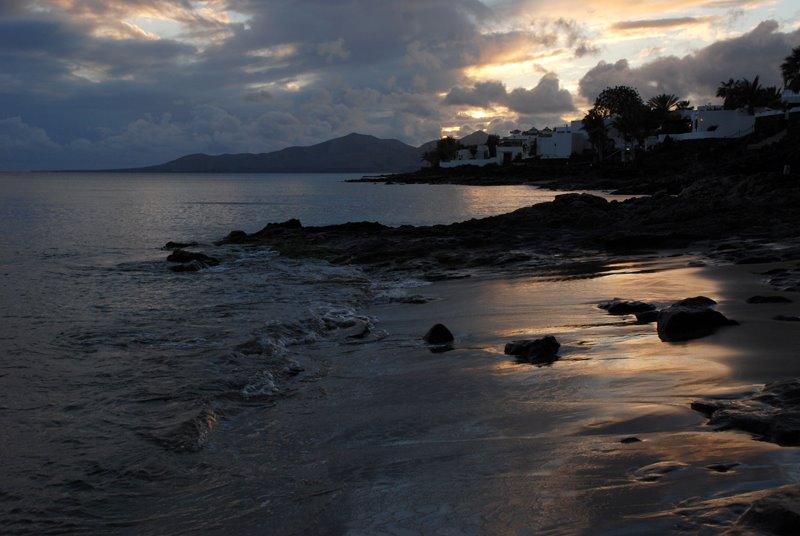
(392, 438)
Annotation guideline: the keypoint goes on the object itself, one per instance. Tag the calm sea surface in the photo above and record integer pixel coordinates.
(115, 372)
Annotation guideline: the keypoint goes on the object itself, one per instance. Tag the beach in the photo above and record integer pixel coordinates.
(392, 438)
(285, 387)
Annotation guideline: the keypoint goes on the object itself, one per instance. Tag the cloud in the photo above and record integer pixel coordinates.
(333, 50)
(133, 82)
(649, 24)
(21, 144)
(546, 98)
(697, 76)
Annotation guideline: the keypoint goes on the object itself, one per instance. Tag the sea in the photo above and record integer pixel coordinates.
(117, 375)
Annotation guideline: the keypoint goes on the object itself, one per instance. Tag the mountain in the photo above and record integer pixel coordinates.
(348, 154)
(478, 137)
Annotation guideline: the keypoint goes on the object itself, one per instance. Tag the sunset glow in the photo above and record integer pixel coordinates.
(412, 72)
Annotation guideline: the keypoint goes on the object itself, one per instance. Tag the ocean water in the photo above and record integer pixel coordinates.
(118, 375)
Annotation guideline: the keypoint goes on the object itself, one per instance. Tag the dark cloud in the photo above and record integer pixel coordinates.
(758, 52)
(661, 23)
(546, 98)
(81, 85)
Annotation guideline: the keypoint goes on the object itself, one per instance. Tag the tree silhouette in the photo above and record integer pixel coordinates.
(594, 123)
(749, 94)
(664, 103)
(790, 69)
(662, 110)
(619, 99)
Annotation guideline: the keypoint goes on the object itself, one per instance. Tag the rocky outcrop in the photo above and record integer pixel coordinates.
(772, 414)
(538, 351)
(190, 261)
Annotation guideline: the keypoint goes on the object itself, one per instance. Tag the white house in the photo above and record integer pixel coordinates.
(509, 153)
(465, 157)
(562, 142)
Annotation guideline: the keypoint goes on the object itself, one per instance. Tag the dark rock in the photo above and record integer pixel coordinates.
(179, 245)
(787, 318)
(759, 260)
(181, 255)
(773, 414)
(438, 334)
(722, 467)
(271, 228)
(628, 440)
(697, 301)
(534, 351)
(647, 317)
(768, 299)
(415, 299)
(194, 266)
(681, 323)
(776, 513)
(235, 237)
(618, 306)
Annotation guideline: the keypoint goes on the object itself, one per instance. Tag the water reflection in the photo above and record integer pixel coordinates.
(541, 449)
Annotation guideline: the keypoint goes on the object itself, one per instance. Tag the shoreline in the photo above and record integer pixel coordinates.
(603, 439)
(396, 437)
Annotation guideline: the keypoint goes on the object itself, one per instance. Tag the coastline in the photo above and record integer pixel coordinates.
(393, 438)
(602, 440)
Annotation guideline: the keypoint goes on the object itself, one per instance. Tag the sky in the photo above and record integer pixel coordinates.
(88, 84)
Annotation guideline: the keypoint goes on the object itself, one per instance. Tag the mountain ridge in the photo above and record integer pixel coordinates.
(350, 153)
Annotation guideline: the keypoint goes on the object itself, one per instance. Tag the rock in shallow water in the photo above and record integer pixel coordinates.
(691, 318)
(438, 334)
(181, 255)
(618, 306)
(543, 350)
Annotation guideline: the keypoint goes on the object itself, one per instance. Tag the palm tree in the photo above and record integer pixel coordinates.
(790, 69)
(664, 103)
(662, 111)
(748, 94)
(727, 90)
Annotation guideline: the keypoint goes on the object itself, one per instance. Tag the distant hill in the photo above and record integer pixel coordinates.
(351, 153)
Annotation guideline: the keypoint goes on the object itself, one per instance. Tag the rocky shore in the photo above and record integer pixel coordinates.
(737, 218)
(738, 207)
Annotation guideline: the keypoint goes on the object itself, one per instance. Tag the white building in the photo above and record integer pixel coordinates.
(466, 157)
(562, 142)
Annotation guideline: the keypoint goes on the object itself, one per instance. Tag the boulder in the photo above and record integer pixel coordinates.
(438, 334)
(618, 306)
(543, 350)
(683, 323)
(768, 299)
(183, 256)
(647, 317)
(697, 301)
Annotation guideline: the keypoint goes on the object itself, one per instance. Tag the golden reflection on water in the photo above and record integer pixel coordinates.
(615, 379)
